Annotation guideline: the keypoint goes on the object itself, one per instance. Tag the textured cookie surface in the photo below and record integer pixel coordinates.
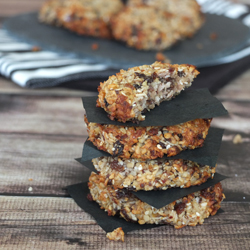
(187, 14)
(189, 210)
(157, 24)
(127, 95)
(135, 174)
(85, 17)
(50, 10)
(148, 142)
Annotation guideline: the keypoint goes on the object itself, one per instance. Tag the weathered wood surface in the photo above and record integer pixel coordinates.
(58, 223)
(238, 89)
(44, 163)
(44, 115)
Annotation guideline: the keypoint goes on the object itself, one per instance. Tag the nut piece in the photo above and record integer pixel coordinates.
(116, 235)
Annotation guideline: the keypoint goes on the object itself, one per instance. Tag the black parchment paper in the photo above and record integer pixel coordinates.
(206, 155)
(161, 198)
(187, 106)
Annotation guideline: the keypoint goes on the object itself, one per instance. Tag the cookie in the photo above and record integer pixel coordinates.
(85, 17)
(189, 210)
(127, 95)
(134, 174)
(148, 142)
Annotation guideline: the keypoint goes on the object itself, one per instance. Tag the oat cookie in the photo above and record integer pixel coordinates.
(148, 142)
(127, 95)
(144, 28)
(187, 14)
(189, 210)
(85, 17)
(156, 25)
(49, 12)
(135, 174)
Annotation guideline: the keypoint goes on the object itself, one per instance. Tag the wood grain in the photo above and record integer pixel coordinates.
(238, 89)
(43, 162)
(238, 119)
(58, 223)
(43, 115)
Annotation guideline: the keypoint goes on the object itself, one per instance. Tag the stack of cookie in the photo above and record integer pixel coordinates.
(133, 157)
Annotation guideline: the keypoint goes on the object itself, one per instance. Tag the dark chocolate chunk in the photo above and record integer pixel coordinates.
(137, 86)
(106, 103)
(181, 73)
(125, 215)
(162, 144)
(118, 148)
(121, 193)
(180, 137)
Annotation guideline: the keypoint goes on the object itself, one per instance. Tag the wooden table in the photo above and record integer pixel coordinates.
(42, 131)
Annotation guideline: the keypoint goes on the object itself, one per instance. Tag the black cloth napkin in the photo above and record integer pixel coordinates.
(213, 77)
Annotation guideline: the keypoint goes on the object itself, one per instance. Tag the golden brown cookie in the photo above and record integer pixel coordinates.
(127, 95)
(189, 210)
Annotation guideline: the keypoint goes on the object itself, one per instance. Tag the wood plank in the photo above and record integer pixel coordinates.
(58, 223)
(44, 115)
(40, 164)
(234, 162)
(238, 89)
(238, 119)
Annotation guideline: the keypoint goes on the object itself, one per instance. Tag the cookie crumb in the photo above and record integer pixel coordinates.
(30, 179)
(213, 36)
(237, 139)
(116, 235)
(89, 197)
(94, 46)
(160, 57)
(36, 48)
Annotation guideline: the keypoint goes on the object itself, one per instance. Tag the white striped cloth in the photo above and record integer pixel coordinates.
(27, 68)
